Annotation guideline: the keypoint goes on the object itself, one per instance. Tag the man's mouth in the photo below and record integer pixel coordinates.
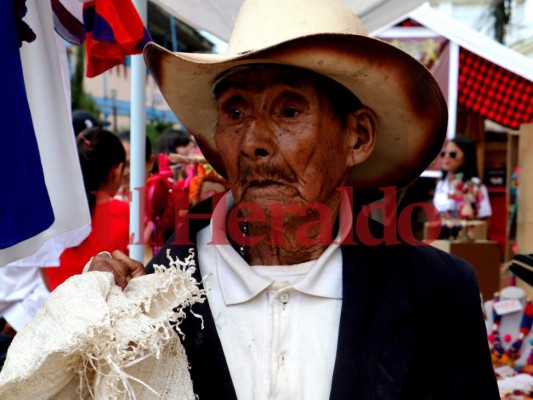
(264, 189)
(262, 183)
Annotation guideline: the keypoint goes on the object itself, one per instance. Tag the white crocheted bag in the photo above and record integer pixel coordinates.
(91, 340)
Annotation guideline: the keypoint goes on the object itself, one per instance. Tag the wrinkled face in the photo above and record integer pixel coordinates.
(279, 139)
(452, 157)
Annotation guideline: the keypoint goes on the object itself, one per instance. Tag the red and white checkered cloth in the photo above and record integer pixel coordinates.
(494, 92)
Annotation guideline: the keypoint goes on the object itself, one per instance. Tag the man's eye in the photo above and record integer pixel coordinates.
(290, 112)
(235, 113)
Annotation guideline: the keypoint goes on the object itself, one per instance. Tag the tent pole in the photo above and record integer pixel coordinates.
(138, 145)
(173, 34)
(453, 79)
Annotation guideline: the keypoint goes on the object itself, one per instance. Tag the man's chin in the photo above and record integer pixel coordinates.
(274, 194)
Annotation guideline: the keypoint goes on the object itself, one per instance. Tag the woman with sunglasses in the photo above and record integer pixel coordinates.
(460, 193)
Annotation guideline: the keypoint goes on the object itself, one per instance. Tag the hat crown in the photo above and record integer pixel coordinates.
(261, 24)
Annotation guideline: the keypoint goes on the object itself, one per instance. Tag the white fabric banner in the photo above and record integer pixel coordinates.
(46, 81)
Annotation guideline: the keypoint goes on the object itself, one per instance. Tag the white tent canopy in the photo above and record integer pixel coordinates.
(459, 36)
(474, 41)
(217, 17)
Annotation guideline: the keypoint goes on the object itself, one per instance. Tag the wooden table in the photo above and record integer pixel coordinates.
(483, 255)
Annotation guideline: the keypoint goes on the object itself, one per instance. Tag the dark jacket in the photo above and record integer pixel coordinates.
(411, 327)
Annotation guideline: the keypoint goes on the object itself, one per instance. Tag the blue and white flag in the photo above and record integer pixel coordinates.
(43, 207)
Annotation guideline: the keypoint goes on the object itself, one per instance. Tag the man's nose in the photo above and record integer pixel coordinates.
(257, 143)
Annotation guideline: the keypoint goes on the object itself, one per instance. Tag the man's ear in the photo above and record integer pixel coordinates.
(362, 129)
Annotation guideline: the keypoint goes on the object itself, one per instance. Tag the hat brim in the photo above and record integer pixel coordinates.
(412, 112)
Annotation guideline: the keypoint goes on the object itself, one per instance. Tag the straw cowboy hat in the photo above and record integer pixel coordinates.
(323, 36)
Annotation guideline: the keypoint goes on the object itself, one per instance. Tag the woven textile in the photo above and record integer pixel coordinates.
(91, 340)
(494, 92)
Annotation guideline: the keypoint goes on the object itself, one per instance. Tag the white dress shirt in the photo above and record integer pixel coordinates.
(278, 325)
(22, 292)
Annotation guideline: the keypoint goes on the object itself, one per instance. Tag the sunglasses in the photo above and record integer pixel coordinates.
(452, 154)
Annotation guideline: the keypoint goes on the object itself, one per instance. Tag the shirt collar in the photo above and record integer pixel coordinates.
(239, 283)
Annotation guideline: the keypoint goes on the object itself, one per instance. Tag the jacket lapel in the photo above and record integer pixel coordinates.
(208, 368)
(371, 363)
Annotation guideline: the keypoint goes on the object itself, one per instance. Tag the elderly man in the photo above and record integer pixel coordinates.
(304, 103)
(300, 306)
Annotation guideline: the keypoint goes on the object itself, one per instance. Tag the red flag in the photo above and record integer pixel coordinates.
(113, 30)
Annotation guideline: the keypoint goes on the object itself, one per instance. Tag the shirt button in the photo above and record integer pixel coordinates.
(284, 298)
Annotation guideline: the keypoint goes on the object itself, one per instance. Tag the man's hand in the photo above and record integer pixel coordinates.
(122, 267)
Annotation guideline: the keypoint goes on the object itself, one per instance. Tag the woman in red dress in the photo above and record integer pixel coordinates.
(102, 159)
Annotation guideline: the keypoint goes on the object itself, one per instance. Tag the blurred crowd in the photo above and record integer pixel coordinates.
(177, 177)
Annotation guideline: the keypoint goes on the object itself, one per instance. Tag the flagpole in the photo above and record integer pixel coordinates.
(138, 145)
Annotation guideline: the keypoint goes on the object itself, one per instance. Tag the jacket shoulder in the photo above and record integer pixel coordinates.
(424, 270)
